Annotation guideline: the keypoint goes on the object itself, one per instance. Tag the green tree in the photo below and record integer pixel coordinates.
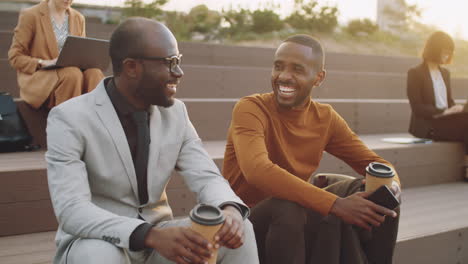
(139, 8)
(404, 17)
(204, 20)
(357, 26)
(179, 24)
(308, 15)
(266, 20)
(237, 21)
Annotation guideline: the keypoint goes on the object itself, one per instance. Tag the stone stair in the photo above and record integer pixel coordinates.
(368, 91)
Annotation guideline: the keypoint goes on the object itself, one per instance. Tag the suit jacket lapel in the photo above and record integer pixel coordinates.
(48, 30)
(448, 89)
(428, 84)
(106, 112)
(74, 26)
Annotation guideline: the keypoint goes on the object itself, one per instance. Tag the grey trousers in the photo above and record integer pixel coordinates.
(96, 251)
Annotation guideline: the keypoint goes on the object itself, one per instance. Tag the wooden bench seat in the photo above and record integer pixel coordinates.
(433, 230)
(24, 194)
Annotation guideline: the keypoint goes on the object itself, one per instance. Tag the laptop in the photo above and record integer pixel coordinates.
(84, 53)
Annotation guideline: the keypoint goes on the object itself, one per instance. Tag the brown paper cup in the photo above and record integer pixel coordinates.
(207, 220)
(208, 232)
(378, 174)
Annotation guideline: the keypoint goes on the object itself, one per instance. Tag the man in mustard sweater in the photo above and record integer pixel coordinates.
(275, 143)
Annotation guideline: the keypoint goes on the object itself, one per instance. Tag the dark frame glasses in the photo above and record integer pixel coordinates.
(173, 61)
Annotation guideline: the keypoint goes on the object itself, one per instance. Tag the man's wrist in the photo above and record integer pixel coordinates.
(233, 209)
(242, 209)
(334, 207)
(138, 236)
(149, 241)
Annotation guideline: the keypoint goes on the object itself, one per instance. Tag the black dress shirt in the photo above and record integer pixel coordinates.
(124, 111)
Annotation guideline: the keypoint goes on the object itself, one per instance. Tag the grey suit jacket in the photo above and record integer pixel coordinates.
(92, 180)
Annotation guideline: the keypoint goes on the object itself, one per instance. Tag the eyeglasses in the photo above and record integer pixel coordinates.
(173, 61)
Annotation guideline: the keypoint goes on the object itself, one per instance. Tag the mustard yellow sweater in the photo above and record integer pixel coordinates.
(272, 151)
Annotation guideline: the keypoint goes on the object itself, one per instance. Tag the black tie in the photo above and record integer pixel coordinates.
(141, 158)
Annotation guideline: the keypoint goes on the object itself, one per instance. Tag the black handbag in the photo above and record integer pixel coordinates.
(14, 135)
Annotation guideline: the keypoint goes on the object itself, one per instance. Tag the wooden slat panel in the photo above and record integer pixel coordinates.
(181, 201)
(444, 247)
(424, 237)
(26, 217)
(23, 244)
(211, 119)
(8, 20)
(45, 257)
(433, 209)
(8, 77)
(23, 186)
(5, 43)
(22, 161)
(36, 122)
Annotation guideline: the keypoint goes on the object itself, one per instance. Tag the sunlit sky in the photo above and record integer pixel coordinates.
(448, 15)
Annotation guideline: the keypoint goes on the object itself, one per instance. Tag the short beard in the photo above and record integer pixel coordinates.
(160, 99)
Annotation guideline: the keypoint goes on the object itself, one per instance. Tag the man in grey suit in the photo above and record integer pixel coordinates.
(111, 153)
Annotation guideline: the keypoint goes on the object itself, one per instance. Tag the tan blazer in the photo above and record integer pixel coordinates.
(34, 39)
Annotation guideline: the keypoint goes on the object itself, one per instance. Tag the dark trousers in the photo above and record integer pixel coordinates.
(451, 128)
(288, 233)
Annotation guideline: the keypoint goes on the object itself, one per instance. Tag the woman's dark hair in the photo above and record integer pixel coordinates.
(435, 44)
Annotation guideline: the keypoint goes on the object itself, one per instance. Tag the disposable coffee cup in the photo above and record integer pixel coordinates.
(378, 174)
(207, 220)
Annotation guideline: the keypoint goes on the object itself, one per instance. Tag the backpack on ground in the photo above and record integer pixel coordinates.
(14, 135)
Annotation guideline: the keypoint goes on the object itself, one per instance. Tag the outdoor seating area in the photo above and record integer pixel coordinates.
(369, 92)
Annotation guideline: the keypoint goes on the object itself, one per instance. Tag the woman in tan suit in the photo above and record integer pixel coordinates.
(37, 41)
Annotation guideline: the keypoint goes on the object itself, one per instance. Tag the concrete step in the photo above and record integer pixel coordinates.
(94, 28)
(36, 122)
(433, 230)
(24, 197)
(206, 81)
(417, 164)
(8, 77)
(34, 248)
(8, 20)
(434, 227)
(24, 193)
(212, 117)
(241, 56)
(100, 31)
(230, 55)
(364, 116)
(5, 43)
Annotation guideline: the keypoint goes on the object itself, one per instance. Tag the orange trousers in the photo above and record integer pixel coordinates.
(73, 82)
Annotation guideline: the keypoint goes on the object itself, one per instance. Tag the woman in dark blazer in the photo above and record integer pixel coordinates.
(434, 112)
